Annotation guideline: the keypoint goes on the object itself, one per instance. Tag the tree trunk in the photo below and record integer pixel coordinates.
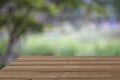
(7, 57)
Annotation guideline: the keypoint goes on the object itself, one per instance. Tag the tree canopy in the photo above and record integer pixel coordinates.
(21, 16)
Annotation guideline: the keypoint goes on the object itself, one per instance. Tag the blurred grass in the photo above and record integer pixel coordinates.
(109, 48)
(66, 46)
(2, 45)
(2, 66)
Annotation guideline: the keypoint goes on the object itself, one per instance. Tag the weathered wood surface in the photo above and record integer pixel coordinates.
(62, 68)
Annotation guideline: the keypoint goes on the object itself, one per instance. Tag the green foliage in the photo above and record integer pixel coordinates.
(2, 20)
(111, 48)
(66, 47)
(116, 6)
(19, 13)
(68, 3)
(2, 46)
(70, 47)
(2, 66)
(26, 23)
(2, 2)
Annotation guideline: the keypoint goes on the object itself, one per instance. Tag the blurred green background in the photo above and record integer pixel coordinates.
(65, 46)
(59, 28)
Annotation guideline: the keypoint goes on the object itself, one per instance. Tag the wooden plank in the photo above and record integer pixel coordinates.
(58, 75)
(64, 63)
(67, 57)
(70, 57)
(63, 68)
(66, 79)
(58, 59)
(14, 79)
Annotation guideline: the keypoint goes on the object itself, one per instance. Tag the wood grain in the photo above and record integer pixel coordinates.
(62, 68)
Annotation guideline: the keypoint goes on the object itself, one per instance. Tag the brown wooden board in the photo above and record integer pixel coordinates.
(62, 68)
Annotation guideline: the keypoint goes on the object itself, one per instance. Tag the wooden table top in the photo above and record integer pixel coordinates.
(62, 68)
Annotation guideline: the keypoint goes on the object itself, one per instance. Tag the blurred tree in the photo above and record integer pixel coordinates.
(18, 17)
(116, 6)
